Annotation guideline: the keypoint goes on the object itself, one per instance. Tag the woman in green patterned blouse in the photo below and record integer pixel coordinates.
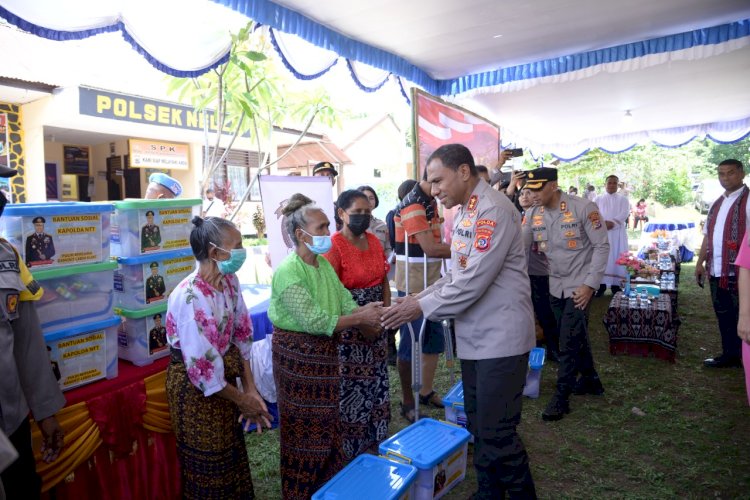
(309, 308)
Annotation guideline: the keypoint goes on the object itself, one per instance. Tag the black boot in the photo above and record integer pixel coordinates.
(556, 408)
(487, 487)
(589, 385)
(600, 292)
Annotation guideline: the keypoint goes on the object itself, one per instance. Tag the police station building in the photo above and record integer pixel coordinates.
(88, 144)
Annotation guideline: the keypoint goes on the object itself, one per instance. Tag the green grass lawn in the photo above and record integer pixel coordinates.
(693, 442)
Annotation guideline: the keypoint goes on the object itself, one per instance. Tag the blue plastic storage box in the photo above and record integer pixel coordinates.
(84, 353)
(369, 477)
(149, 279)
(437, 449)
(142, 336)
(454, 406)
(65, 234)
(141, 227)
(75, 295)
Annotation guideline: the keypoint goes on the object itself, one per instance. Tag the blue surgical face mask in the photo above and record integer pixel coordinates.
(320, 245)
(233, 264)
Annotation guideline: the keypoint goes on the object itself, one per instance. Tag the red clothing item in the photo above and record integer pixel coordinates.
(354, 267)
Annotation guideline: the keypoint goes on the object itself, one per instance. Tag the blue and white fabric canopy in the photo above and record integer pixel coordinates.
(558, 76)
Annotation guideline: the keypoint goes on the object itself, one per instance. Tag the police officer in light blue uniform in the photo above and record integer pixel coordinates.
(162, 187)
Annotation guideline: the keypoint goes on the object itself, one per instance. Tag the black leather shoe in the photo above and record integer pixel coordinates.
(556, 408)
(589, 385)
(722, 362)
(600, 291)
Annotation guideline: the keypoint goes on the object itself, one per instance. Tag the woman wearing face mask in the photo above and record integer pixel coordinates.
(310, 309)
(360, 263)
(210, 335)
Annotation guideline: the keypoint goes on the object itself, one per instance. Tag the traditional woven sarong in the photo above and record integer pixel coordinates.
(306, 371)
(365, 400)
(210, 442)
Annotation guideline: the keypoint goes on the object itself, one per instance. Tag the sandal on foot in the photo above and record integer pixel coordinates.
(431, 399)
(408, 413)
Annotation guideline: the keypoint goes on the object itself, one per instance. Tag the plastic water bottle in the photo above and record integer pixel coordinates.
(633, 300)
(644, 299)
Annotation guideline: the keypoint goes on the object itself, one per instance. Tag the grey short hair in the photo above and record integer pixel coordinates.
(298, 219)
(207, 231)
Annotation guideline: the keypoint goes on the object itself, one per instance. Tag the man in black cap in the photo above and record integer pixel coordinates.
(157, 336)
(27, 382)
(39, 246)
(569, 230)
(155, 287)
(325, 169)
(150, 234)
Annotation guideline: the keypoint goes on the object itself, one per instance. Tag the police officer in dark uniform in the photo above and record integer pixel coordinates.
(39, 246)
(155, 287)
(27, 383)
(157, 336)
(150, 233)
(569, 230)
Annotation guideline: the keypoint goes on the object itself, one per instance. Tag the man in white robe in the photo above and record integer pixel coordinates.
(614, 209)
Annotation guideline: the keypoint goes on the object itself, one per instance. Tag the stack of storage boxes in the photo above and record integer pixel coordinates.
(67, 249)
(151, 240)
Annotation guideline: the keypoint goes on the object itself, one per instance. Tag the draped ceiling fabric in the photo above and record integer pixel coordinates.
(512, 89)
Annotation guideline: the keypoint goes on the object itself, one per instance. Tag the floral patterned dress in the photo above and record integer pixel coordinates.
(210, 333)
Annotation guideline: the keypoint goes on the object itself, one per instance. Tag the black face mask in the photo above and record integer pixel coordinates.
(3, 202)
(358, 223)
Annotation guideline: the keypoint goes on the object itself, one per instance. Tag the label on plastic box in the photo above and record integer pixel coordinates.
(119, 282)
(449, 471)
(157, 333)
(162, 277)
(164, 229)
(80, 359)
(62, 240)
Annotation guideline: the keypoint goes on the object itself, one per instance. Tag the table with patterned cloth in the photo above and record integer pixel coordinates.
(642, 332)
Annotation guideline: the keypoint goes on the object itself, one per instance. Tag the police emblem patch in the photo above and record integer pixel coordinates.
(572, 244)
(463, 261)
(459, 245)
(486, 222)
(483, 240)
(11, 303)
(563, 206)
(542, 246)
(466, 223)
(472, 206)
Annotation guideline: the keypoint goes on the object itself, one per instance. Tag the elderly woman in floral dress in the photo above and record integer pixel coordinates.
(210, 335)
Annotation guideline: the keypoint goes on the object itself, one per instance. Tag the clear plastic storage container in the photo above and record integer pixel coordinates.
(84, 353)
(141, 227)
(75, 295)
(437, 449)
(142, 336)
(149, 279)
(369, 477)
(49, 235)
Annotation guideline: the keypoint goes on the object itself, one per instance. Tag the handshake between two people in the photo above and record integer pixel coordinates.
(373, 317)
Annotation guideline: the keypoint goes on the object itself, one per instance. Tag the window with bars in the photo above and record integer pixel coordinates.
(231, 178)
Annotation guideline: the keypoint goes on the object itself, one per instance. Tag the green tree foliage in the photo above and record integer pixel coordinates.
(653, 172)
(246, 96)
